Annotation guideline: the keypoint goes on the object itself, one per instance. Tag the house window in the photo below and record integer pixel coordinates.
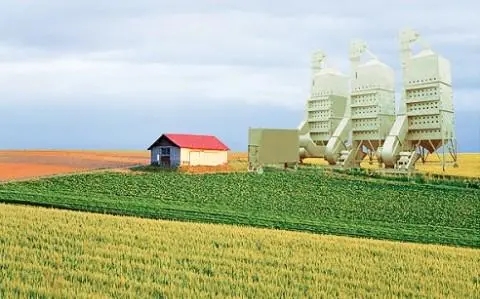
(165, 151)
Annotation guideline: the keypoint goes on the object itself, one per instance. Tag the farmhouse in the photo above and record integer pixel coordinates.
(173, 150)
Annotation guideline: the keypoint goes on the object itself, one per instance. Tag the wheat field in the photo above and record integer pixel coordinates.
(63, 254)
(468, 165)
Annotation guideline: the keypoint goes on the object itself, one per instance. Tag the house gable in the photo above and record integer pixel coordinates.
(162, 141)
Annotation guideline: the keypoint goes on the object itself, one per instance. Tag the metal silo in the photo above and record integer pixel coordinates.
(324, 108)
(426, 122)
(370, 114)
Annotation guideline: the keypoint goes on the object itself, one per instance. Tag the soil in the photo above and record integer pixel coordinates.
(32, 164)
(16, 165)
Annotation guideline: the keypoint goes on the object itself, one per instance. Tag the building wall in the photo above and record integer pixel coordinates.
(155, 155)
(185, 156)
(273, 146)
(196, 157)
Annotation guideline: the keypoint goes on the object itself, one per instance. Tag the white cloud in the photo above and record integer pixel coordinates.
(151, 83)
(152, 52)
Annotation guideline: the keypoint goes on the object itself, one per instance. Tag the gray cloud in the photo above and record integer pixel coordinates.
(249, 51)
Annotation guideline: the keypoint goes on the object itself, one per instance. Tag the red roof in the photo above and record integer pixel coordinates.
(205, 142)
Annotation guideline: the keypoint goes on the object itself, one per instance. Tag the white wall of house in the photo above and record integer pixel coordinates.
(186, 156)
(196, 157)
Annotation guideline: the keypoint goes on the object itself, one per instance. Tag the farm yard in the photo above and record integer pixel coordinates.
(359, 192)
(51, 253)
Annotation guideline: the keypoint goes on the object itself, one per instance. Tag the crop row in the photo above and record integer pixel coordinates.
(60, 254)
(303, 200)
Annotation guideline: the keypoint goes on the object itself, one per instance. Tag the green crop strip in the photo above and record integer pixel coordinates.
(303, 200)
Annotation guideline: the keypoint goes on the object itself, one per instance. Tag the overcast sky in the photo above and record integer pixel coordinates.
(158, 54)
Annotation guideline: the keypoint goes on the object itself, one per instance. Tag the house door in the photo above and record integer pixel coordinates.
(165, 161)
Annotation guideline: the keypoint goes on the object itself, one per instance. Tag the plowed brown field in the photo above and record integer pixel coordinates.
(30, 164)
(27, 164)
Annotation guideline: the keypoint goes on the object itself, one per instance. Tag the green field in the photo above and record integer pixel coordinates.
(305, 200)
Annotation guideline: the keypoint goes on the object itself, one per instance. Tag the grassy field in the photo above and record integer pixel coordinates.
(48, 253)
(303, 200)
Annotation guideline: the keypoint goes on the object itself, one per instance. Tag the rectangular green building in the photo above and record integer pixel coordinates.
(272, 146)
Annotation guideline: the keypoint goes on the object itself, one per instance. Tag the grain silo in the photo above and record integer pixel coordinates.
(324, 109)
(426, 120)
(370, 114)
